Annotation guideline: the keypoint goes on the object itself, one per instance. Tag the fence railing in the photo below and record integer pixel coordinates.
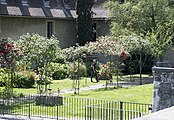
(70, 108)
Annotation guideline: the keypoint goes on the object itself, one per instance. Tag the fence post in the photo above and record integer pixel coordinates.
(121, 110)
(57, 111)
(90, 110)
(29, 106)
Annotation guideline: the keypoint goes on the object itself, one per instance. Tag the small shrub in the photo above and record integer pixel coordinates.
(74, 69)
(60, 59)
(58, 71)
(3, 77)
(24, 79)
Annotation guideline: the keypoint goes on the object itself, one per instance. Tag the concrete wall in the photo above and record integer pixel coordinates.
(163, 96)
(14, 27)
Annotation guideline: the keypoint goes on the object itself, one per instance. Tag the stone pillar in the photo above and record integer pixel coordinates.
(163, 96)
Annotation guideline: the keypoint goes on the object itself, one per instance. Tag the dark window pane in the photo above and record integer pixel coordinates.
(49, 29)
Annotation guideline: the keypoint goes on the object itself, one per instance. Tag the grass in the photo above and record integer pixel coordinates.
(137, 94)
(65, 84)
(72, 108)
(142, 94)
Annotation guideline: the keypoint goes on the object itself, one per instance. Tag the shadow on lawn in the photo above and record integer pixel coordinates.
(107, 89)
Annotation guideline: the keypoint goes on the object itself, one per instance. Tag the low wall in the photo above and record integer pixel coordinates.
(163, 96)
(49, 100)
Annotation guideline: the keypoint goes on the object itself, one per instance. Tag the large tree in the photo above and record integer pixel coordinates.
(150, 19)
(84, 20)
(145, 18)
(140, 16)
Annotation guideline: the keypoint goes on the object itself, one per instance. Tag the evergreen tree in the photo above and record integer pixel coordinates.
(84, 20)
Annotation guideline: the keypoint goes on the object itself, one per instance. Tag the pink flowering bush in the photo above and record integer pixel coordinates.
(104, 73)
(9, 53)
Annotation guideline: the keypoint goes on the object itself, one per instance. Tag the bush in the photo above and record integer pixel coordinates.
(74, 69)
(3, 77)
(58, 71)
(132, 65)
(24, 79)
(60, 59)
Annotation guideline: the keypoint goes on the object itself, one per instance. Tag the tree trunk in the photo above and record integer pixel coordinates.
(140, 68)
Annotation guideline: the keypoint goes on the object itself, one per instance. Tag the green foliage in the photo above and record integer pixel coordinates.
(84, 20)
(160, 42)
(24, 79)
(131, 65)
(105, 45)
(152, 19)
(9, 55)
(76, 52)
(140, 16)
(74, 69)
(3, 77)
(60, 59)
(40, 50)
(58, 71)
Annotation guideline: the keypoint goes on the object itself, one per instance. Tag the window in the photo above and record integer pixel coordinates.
(47, 3)
(50, 28)
(3, 2)
(25, 2)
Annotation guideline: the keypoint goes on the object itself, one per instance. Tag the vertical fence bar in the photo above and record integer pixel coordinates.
(57, 112)
(121, 110)
(29, 106)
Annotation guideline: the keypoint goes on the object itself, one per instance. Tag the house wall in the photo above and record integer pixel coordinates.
(14, 27)
(64, 30)
(103, 28)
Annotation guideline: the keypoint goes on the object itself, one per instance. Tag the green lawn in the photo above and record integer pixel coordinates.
(65, 84)
(73, 104)
(139, 94)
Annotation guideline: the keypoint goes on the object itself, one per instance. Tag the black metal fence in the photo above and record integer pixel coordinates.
(71, 108)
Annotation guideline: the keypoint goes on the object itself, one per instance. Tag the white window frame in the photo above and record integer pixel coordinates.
(53, 27)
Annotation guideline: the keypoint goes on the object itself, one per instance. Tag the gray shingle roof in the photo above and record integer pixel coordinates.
(56, 9)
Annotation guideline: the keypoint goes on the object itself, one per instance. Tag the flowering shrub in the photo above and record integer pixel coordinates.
(104, 72)
(9, 52)
(24, 79)
(74, 69)
(41, 51)
(58, 71)
(124, 55)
